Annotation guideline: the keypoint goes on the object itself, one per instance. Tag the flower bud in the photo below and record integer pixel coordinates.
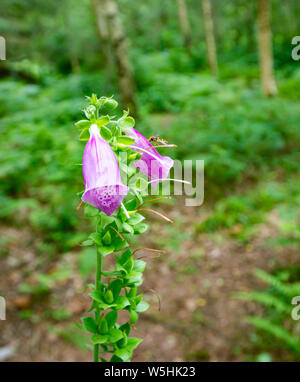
(103, 327)
(90, 111)
(109, 297)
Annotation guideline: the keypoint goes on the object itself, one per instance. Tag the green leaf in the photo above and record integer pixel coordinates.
(131, 204)
(121, 245)
(105, 221)
(96, 238)
(89, 324)
(126, 123)
(105, 133)
(140, 228)
(111, 273)
(126, 328)
(78, 325)
(122, 216)
(116, 286)
(84, 135)
(96, 296)
(139, 265)
(133, 343)
(83, 124)
(124, 354)
(125, 140)
(132, 292)
(136, 219)
(135, 156)
(142, 306)
(107, 250)
(102, 121)
(122, 302)
(128, 265)
(114, 358)
(133, 317)
(138, 298)
(87, 243)
(99, 338)
(127, 228)
(134, 278)
(125, 256)
(111, 318)
(115, 335)
(117, 241)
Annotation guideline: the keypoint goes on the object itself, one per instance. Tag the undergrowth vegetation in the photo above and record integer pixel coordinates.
(250, 145)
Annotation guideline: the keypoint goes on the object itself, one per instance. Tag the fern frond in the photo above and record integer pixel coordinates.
(287, 290)
(275, 330)
(266, 299)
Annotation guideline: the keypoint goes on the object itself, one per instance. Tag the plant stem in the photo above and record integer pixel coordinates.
(98, 289)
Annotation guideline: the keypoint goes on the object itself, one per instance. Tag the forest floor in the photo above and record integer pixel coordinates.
(197, 319)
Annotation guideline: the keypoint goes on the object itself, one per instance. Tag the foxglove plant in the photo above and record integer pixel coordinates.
(115, 209)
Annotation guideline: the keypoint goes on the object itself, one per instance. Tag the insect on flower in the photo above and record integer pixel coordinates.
(154, 139)
(156, 166)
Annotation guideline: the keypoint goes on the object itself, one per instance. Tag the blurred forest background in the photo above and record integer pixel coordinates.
(217, 79)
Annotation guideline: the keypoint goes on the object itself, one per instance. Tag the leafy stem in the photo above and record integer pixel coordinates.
(98, 289)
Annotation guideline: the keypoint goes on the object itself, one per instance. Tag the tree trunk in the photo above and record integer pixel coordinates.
(104, 38)
(210, 37)
(268, 83)
(112, 34)
(184, 23)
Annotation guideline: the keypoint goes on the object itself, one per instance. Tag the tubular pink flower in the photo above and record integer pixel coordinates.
(153, 164)
(103, 187)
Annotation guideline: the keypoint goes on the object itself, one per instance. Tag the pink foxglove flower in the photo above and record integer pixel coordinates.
(103, 187)
(153, 164)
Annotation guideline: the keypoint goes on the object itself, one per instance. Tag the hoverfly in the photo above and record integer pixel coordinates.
(157, 140)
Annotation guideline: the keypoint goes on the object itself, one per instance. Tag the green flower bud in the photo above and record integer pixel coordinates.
(106, 239)
(103, 327)
(110, 104)
(109, 297)
(90, 111)
(133, 317)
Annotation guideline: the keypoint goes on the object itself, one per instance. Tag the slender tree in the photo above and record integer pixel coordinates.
(112, 34)
(184, 23)
(104, 38)
(268, 83)
(209, 36)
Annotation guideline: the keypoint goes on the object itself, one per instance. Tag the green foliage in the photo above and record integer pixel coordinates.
(241, 135)
(241, 214)
(45, 282)
(277, 322)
